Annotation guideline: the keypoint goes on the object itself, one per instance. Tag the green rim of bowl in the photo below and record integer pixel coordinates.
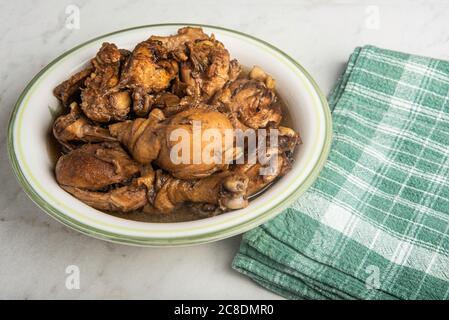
(177, 241)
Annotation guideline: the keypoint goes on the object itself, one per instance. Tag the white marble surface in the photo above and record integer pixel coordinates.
(35, 250)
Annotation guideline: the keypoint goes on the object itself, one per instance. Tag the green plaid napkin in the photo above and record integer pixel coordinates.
(375, 223)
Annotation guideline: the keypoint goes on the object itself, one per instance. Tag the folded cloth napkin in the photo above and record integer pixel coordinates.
(375, 223)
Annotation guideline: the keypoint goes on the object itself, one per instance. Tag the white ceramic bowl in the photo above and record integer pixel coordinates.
(32, 163)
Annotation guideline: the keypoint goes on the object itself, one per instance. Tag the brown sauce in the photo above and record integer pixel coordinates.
(181, 214)
(54, 149)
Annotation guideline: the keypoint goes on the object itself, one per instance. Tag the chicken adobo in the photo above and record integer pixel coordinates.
(173, 125)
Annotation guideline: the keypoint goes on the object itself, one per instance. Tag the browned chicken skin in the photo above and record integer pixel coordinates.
(196, 168)
(95, 166)
(67, 90)
(85, 171)
(90, 171)
(225, 190)
(177, 42)
(127, 108)
(140, 136)
(260, 175)
(208, 68)
(250, 101)
(149, 68)
(102, 100)
(123, 199)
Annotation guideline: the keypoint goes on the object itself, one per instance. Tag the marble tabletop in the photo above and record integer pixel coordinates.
(36, 251)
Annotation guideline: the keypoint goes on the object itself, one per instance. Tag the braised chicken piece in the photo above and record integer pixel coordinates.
(224, 191)
(140, 136)
(176, 43)
(288, 139)
(164, 193)
(169, 103)
(257, 73)
(68, 90)
(155, 140)
(207, 68)
(250, 101)
(258, 182)
(102, 99)
(153, 130)
(89, 173)
(149, 68)
(201, 161)
(122, 199)
(276, 161)
(95, 166)
(76, 127)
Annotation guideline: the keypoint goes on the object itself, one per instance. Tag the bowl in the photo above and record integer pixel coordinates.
(33, 162)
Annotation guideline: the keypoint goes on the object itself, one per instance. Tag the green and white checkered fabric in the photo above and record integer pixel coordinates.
(375, 223)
